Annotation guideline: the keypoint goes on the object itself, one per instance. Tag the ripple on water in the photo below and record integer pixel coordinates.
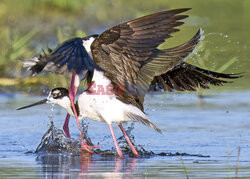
(205, 135)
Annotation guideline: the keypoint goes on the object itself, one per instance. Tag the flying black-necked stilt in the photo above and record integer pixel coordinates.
(123, 63)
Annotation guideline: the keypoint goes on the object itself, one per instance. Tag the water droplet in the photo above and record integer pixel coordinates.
(202, 34)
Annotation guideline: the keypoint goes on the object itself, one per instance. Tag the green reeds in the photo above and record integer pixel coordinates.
(184, 167)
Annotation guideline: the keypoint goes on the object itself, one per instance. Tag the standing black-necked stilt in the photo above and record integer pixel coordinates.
(103, 108)
(123, 63)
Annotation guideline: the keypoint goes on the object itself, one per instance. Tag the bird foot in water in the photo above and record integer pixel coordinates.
(89, 148)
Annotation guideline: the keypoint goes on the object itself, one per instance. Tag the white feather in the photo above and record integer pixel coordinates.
(105, 107)
(63, 102)
(30, 62)
(87, 45)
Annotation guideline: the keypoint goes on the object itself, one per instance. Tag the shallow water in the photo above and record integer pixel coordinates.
(215, 126)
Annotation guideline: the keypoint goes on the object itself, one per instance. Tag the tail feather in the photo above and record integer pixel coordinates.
(34, 65)
(29, 62)
(144, 120)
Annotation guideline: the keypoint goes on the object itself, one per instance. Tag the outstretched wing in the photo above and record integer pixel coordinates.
(171, 73)
(67, 57)
(124, 49)
(188, 77)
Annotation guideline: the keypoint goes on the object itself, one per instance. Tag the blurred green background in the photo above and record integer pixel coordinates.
(28, 26)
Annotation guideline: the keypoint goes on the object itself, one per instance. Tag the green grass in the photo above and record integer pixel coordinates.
(32, 26)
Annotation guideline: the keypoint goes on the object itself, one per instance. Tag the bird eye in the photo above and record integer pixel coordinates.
(56, 95)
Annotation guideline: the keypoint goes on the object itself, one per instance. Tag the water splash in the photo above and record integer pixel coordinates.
(51, 113)
(202, 33)
(215, 50)
(54, 141)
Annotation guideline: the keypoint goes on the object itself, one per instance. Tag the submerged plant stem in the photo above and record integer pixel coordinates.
(237, 163)
(184, 167)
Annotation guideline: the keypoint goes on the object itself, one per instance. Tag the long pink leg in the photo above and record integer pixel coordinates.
(66, 126)
(116, 144)
(129, 142)
(72, 93)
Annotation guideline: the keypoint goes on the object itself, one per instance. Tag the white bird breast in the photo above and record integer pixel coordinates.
(100, 105)
(104, 107)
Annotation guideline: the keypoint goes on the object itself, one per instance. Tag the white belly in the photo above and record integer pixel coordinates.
(103, 105)
(100, 108)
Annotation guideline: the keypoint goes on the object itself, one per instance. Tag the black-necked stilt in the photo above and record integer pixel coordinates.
(103, 108)
(123, 63)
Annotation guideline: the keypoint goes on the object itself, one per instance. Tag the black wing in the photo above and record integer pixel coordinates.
(67, 57)
(188, 77)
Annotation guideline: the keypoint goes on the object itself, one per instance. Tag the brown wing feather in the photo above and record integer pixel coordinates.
(129, 56)
(124, 49)
(162, 61)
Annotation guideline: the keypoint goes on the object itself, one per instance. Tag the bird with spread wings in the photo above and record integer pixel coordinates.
(128, 56)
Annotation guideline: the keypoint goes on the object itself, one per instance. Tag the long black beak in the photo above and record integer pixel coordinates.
(34, 104)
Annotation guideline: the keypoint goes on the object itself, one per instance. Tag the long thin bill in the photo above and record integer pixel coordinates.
(34, 104)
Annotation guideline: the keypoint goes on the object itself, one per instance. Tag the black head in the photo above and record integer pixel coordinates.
(58, 93)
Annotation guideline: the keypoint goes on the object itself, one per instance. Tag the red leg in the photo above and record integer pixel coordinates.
(66, 126)
(129, 142)
(116, 144)
(72, 93)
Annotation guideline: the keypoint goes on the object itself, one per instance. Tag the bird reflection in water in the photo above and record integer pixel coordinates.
(84, 165)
